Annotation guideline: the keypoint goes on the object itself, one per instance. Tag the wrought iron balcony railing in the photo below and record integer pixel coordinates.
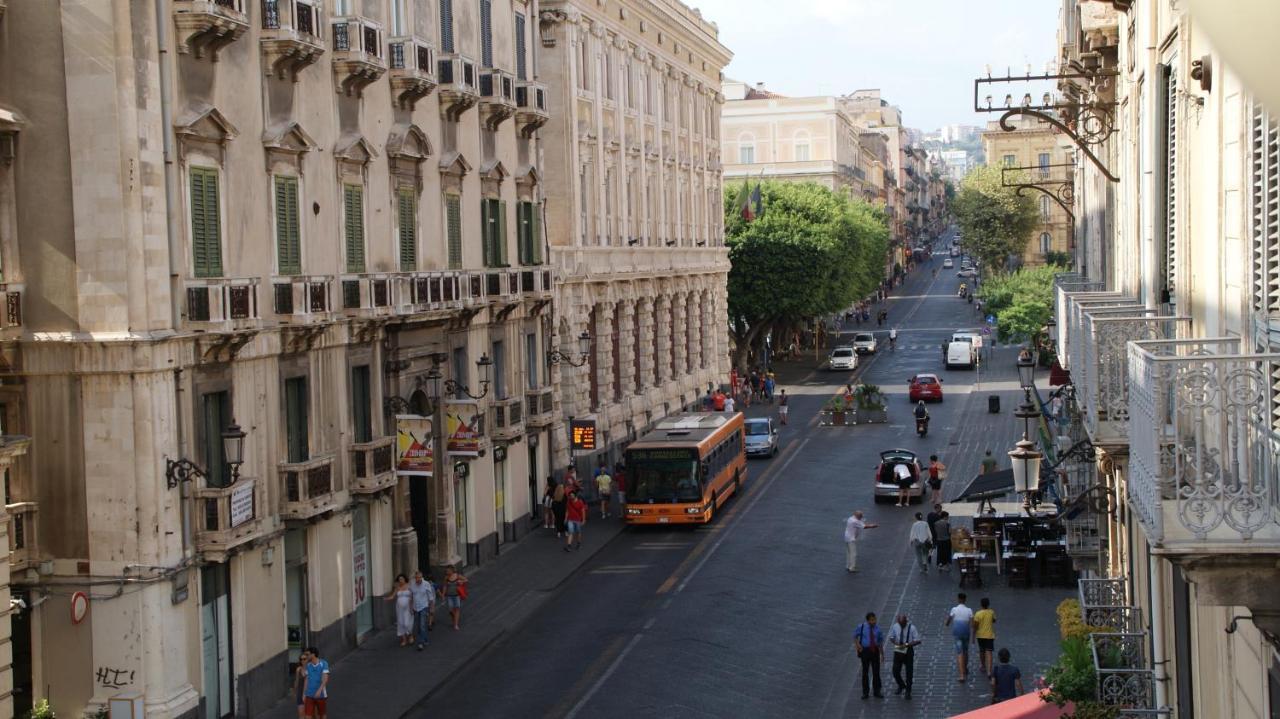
(1204, 457)
(1076, 303)
(307, 488)
(1124, 681)
(291, 37)
(224, 302)
(1104, 603)
(373, 466)
(1102, 382)
(358, 53)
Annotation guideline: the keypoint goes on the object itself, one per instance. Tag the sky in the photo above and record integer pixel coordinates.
(922, 54)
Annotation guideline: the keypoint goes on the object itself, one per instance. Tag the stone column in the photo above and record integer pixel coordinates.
(603, 332)
(694, 334)
(680, 341)
(662, 327)
(627, 346)
(645, 342)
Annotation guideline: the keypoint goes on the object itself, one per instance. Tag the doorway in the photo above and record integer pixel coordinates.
(20, 629)
(215, 640)
(534, 497)
(460, 515)
(500, 499)
(420, 517)
(295, 593)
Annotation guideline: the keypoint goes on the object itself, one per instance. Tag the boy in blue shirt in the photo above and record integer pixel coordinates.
(316, 695)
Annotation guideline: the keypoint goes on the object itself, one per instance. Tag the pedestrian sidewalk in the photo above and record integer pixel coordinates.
(382, 679)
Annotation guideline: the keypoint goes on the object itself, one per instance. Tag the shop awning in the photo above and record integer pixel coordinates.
(1027, 706)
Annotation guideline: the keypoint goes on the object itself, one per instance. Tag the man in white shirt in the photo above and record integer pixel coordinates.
(960, 619)
(921, 538)
(904, 637)
(853, 528)
(729, 404)
(904, 479)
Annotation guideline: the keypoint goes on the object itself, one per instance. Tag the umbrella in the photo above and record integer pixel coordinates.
(988, 486)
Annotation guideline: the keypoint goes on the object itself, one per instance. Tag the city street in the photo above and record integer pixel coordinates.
(753, 615)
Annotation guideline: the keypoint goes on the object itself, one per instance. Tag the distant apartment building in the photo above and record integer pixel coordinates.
(1035, 145)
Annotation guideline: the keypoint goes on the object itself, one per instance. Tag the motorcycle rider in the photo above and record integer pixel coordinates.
(893, 338)
(922, 416)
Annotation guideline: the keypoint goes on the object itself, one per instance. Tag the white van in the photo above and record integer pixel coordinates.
(960, 354)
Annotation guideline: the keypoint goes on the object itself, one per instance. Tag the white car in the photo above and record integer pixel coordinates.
(967, 272)
(948, 264)
(762, 437)
(842, 359)
(864, 343)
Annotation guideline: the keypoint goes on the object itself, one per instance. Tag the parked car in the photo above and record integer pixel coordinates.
(967, 272)
(864, 343)
(762, 437)
(948, 264)
(842, 359)
(925, 387)
(886, 482)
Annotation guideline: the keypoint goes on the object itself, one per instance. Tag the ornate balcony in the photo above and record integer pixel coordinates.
(1124, 681)
(456, 74)
(23, 534)
(357, 53)
(539, 407)
(307, 489)
(11, 317)
(366, 295)
(226, 518)
(413, 70)
(536, 284)
(1102, 379)
(291, 38)
(208, 25)
(302, 298)
(373, 466)
(222, 304)
(531, 107)
(508, 420)
(1104, 603)
(1073, 333)
(497, 96)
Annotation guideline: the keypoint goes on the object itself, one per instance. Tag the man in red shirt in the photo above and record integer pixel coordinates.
(717, 401)
(575, 517)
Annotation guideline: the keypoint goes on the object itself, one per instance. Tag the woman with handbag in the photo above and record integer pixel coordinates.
(453, 590)
(937, 474)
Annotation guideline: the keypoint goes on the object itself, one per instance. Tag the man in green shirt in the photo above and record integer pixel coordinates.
(988, 463)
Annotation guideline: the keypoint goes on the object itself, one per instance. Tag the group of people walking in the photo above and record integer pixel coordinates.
(416, 603)
(565, 510)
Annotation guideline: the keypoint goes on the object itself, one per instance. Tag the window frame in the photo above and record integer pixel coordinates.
(215, 170)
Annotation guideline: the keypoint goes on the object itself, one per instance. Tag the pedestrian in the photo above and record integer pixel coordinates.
(576, 516)
(316, 695)
(717, 401)
(1006, 679)
(729, 404)
(769, 384)
(988, 463)
(984, 630)
(403, 598)
(904, 478)
(782, 406)
(853, 528)
(904, 638)
(571, 482)
(937, 473)
(868, 642)
(300, 682)
(942, 540)
(548, 504)
(454, 590)
(960, 619)
(921, 542)
(424, 599)
(604, 486)
(558, 497)
(708, 401)
(620, 486)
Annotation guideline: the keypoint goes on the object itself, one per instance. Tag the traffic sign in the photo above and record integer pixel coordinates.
(991, 319)
(977, 343)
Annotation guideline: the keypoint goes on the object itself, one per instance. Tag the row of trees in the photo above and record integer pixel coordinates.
(809, 252)
(1022, 302)
(994, 220)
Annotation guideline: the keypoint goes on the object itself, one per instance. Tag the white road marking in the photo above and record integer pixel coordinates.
(613, 667)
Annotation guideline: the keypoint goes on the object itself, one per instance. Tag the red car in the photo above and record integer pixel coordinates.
(925, 387)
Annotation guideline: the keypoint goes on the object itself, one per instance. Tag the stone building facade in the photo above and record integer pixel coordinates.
(304, 218)
(635, 211)
(1037, 145)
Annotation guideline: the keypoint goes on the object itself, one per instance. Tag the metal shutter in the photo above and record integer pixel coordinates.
(486, 33)
(453, 229)
(521, 61)
(446, 26)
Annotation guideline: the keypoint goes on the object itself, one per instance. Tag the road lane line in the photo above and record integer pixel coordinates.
(595, 686)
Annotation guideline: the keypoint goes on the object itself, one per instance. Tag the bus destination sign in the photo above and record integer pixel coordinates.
(582, 435)
(677, 453)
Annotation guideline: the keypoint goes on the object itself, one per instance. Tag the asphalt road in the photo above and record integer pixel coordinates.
(752, 616)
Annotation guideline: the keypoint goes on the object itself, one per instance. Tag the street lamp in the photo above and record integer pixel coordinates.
(1026, 371)
(177, 471)
(556, 356)
(396, 404)
(1027, 411)
(1025, 460)
(483, 364)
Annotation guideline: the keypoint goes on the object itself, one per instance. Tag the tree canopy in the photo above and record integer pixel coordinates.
(994, 220)
(1022, 302)
(810, 252)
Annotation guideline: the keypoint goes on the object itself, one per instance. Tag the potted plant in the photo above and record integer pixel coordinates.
(870, 403)
(836, 411)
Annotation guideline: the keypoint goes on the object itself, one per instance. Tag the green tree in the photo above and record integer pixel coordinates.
(809, 253)
(994, 220)
(1022, 302)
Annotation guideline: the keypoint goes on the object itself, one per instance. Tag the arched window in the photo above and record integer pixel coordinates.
(1044, 207)
(1046, 242)
(746, 148)
(802, 146)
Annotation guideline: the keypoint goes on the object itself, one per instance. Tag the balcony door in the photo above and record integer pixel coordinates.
(215, 640)
(295, 592)
(215, 416)
(295, 408)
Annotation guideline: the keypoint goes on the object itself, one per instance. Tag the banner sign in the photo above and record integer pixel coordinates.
(360, 569)
(241, 502)
(415, 445)
(582, 435)
(464, 427)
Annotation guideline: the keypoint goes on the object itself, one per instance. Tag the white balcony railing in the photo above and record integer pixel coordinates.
(302, 297)
(373, 466)
(1076, 303)
(23, 533)
(366, 294)
(1204, 458)
(1102, 381)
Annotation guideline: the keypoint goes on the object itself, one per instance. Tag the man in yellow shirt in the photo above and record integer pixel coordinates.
(984, 630)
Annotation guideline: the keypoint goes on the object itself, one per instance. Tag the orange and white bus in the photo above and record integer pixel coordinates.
(685, 469)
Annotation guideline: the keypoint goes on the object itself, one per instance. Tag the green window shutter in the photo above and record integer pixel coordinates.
(288, 249)
(206, 237)
(453, 227)
(500, 242)
(486, 232)
(407, 207)
(535, 233)
(522, 233)
(353, 207)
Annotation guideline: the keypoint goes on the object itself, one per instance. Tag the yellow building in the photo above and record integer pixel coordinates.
(1035, 144)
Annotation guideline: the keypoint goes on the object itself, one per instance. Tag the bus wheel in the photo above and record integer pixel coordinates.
(711, 513)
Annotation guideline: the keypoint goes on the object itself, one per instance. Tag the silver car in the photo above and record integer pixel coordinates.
(864, 343)
(762, 437)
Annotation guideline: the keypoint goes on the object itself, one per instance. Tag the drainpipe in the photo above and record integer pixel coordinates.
(165, 63)
(1157, 628)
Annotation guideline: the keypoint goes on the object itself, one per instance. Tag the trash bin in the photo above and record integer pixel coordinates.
(993, 404)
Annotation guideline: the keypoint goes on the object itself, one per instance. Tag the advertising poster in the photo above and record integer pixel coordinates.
(464, 427)
(415, 447)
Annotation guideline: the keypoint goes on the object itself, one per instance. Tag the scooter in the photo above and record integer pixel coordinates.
(922, 425)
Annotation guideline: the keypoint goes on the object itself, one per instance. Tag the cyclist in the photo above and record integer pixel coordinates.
(893, 338)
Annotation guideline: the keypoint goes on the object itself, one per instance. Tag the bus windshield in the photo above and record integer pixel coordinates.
(661, 476)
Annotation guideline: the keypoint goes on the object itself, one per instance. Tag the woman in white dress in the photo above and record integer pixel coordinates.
(404, 609)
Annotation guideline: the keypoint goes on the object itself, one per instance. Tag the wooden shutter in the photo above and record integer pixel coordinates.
(535, 233)
(486, 33)
(453, 228)
(1169, 203)
(500, 238)
(206, 236)
(288, 246)
(407, 210)
(295, 398)
(521, 61)
(486, 232)
(446, 26)
(353, 211)
(524, 226)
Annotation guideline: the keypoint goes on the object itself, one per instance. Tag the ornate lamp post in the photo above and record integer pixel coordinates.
(1025, 460)
(177, 471)
(556, 356)
(455, 388)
